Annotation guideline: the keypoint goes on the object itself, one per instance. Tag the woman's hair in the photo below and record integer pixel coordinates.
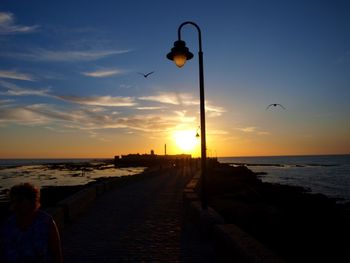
(26, 191)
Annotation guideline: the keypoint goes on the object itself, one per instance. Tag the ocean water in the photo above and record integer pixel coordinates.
(50, 172)
(325, 174)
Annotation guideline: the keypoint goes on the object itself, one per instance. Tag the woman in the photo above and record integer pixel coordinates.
(30, 234)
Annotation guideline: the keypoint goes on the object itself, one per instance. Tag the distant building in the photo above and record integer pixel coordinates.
(147, 160)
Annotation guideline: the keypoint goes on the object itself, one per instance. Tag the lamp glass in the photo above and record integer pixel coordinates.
(180, 59)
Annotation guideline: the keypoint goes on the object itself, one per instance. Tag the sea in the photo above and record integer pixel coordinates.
(324, 174)
(56, 172)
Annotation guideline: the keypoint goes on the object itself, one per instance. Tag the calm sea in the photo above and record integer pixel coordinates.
(39, 173)
(325, 174)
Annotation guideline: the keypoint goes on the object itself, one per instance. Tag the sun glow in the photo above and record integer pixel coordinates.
(186, 140)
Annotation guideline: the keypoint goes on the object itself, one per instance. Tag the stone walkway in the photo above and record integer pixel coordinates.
(140, 222)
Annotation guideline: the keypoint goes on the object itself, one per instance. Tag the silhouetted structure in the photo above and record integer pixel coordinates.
(180, 54)
(147, 160)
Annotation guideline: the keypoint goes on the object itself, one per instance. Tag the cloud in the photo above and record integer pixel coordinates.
(184, 99)
(8, 26)
(103, 73)
(167, 98)
(82, 119)
(182, 117)
(14, 90)
(104, 101)
(149, 108)
(213, 111)
(63, 55)
(248, 129)
(217, 132)
(171, 98)
(254, 130)
(108, 101)
(12, 74)
(4, 102)
(20, 115)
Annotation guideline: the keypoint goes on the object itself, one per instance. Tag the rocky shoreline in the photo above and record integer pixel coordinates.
(297, 225)
(51, 195)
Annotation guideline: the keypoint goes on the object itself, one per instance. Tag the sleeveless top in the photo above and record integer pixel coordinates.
(29, 245)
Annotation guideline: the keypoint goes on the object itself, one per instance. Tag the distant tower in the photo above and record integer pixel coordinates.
(164, 149)
(152, 152)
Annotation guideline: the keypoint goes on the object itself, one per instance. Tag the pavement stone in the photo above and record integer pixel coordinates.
(139, 222)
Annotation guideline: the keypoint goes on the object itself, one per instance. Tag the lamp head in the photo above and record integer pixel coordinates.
(179, 53)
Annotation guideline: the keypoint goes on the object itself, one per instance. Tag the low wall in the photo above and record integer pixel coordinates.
(77, 203)
(72, 207)
(231, 242)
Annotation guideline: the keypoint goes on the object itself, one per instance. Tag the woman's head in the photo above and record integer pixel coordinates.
(25, 198)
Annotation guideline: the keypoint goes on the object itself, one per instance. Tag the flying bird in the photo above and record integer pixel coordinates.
(146, 75)
(275, 104)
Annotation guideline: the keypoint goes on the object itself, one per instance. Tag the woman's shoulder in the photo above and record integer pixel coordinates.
(43, 218)
(44, 214)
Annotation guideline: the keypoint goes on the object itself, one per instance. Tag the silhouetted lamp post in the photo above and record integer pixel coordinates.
(180, 54)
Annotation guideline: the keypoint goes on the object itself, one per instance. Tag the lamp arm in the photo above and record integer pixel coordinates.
(198, 29)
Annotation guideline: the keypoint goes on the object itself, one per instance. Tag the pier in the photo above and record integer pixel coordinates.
(140, 222)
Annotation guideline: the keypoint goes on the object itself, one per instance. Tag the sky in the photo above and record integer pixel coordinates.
(70, 82)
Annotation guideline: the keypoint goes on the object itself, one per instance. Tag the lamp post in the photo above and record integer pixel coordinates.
(179, 54)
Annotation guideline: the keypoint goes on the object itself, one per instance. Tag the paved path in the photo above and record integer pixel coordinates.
(140, 222)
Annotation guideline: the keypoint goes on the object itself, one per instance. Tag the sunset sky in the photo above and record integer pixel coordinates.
(70, 83)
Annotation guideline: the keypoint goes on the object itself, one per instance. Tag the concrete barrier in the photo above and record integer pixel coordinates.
(77, 203)
(238, 246)
(232, 242)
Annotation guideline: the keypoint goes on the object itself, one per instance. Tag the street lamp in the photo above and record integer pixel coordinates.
(180, 54)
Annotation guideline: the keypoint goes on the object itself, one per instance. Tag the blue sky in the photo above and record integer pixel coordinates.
(69, 82)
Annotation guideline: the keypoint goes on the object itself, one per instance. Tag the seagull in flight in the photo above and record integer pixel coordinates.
(275, 104)
(146, 75)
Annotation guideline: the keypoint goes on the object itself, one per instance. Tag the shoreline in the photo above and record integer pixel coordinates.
(50, 196)
(61, 173)
(296, 224)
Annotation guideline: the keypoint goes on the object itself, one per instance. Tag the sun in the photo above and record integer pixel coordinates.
(185, 140)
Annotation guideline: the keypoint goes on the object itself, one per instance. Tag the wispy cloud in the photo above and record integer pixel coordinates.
(168, 98)
(248, 129)
(108, 101)
(183, 99)
(63, 55)
(14, 90)
(11, 89)
(24, 116)
(85, 119)
(171, 98)
(253, 129)
(8, 25)
(103, 73)
(5, 102)
(214, 111)
(12, 74)
(183, 117)
(217, 132)
(149, 108)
